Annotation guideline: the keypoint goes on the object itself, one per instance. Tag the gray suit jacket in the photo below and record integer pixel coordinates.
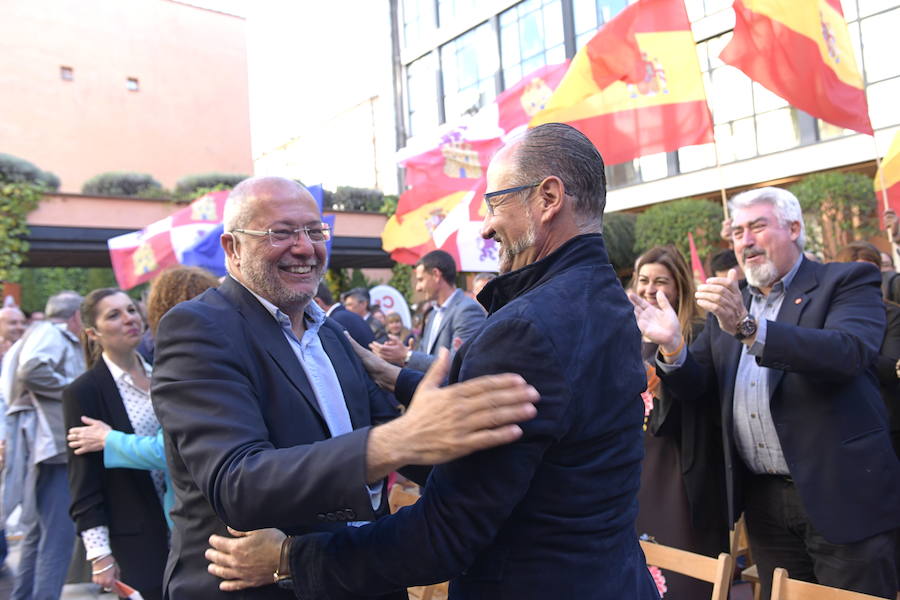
(461, 319)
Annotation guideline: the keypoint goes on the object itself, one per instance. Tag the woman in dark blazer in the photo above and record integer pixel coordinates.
(682, 496)
(117, 512)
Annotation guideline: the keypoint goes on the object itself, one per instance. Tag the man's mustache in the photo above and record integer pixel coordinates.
(751, 252)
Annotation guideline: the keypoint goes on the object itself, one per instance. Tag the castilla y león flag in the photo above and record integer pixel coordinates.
(139, 256)
(801, 50)
(636, 87)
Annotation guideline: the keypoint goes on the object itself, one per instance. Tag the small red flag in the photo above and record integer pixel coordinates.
(696, 265)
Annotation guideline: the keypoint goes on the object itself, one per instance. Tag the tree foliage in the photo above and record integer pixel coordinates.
(40, 283)
(120, 183)
(16, 201)
(670, 222)
(193, 184)
(838, 208)
(355, 199)
(19, 170)
(618, 234)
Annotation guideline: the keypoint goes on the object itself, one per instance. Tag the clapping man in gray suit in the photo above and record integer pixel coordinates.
(454, 318)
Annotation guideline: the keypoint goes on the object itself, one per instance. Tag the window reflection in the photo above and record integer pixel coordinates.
(531, 36)
(883, 103)
(469, 64)
(880, 46)
(777, 130)
(418, 20)
(421, 94)
(589, 15)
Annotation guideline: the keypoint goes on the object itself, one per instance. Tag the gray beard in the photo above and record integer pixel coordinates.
(761, 276)
(508, 252)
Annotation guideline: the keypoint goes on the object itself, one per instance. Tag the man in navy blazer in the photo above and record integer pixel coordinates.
(266, 409)
(790, 359)
(355, 325)
(551, 515)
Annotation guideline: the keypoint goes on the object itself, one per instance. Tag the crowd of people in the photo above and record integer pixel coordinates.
(244, 439)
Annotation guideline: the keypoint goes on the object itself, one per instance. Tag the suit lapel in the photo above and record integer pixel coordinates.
(445, 320)
(344, 369)
(264, 327)
(796, 299)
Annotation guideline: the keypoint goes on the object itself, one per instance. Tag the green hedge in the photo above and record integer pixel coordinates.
(18, 170)
(191, 183)
(121, 183)
(670, 222)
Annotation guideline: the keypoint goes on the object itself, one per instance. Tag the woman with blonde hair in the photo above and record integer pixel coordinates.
(682, 496)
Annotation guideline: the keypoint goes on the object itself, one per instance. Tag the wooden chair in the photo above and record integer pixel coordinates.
(716, 571)
(785, 588)
(740, 546)
(407, 495)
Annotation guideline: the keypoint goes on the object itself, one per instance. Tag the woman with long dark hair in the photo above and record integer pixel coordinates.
(117, 512)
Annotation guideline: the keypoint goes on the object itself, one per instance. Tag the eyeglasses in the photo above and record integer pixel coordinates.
(490, 195)
(317, 234)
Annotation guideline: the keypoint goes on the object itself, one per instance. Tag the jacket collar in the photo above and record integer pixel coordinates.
(581, 249)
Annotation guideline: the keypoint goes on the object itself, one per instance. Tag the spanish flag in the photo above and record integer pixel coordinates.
(887, 179)
(656, 101)
(801, 50)
(517, 104)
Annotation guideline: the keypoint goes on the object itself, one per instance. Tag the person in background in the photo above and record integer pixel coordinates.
(800, 336)
(724, 261)
(131, 450)
(888, 363)
(479, 281)
(682, 496)
(49, 359)
(355, 325)
(393, 323)
(357, 301)
(117, 512)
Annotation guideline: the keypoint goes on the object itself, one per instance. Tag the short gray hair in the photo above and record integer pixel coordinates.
(563, 151)
(63, 305)
(785, 204)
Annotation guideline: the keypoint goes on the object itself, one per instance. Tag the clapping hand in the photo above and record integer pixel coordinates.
(722, 297)
(659, 325)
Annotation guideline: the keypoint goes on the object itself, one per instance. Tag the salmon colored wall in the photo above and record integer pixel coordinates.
(192, 111)
(76, 210)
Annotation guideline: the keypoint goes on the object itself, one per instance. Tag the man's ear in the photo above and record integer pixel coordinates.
(795, 230)
(551, 192)
(230, 246)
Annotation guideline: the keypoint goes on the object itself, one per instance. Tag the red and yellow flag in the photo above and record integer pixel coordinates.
(517, 104)
(801, 50)
(887, 179)
(662, 110)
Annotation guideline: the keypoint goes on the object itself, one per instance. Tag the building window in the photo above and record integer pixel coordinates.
(418, 21)
(590, 15)
(66, 73)
(132, 84)
(450, 10)
(469, 65)
(421, 95)
(531, 36)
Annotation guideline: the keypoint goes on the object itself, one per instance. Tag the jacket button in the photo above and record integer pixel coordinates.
(320, 516)
(331, 516)
(341, 515)
(351, 514)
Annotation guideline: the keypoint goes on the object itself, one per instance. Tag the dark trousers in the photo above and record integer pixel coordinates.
(782, 536)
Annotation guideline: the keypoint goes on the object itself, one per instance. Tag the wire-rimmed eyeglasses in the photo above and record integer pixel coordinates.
(490, 195)
(316, 234)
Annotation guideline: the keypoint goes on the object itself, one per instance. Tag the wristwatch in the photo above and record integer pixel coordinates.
(746, 327)
(282, 575)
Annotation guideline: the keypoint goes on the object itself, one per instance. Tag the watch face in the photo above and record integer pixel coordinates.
(746, 327)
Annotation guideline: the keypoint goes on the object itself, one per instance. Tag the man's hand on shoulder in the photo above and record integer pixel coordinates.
(442, 424)
(249, 559)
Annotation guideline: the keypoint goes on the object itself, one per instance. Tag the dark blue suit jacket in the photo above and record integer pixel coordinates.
(825, 400)
(551, 515)
(355, 325)
(245, 440)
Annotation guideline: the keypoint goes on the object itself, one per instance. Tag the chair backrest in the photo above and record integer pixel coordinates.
(717, 571)
(785, 588)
